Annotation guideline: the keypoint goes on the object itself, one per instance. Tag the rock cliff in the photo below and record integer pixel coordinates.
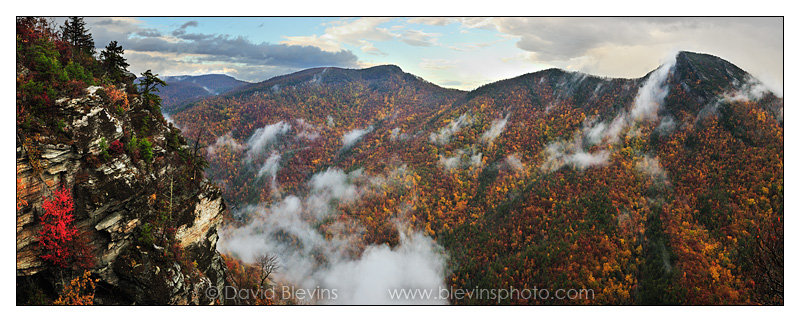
(151, 220)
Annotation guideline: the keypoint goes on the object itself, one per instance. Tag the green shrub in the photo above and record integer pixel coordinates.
(76, 72)
(37, 96)
(146, 149)
(60, 125)
(143, 147)
(104, 149)
(146, 234)
(46, 62)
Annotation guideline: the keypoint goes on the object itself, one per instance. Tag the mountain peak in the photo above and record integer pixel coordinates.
(380, 72)
(709, 69)
(389, 68)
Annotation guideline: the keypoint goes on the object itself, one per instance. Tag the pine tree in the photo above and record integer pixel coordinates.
(113, 63)
(74, 31)
(147, 85)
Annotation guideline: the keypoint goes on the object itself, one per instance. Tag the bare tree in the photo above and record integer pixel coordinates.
(196, 161)
(197, 145)
(267, 263)
(768, 264)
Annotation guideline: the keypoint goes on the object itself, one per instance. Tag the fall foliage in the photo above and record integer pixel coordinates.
(668, 217)
(62, 244)
(79, 291)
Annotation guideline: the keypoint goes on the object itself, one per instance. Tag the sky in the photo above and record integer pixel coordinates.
(461, 53)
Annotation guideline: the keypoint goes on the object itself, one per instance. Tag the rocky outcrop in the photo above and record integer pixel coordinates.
(116, 197)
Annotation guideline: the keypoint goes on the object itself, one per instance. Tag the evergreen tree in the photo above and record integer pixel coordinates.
(113, 63)
(148, 85)
(74, 31)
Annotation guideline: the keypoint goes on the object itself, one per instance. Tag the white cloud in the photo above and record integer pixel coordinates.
(350, 138)
(515, 163)
(359, 32)
(451, 162)
(225, 140)
(324, 42)
(417, 263)
(462, 159)
(271, 166)
(476, 161)
(432, 21)
(596, 133)
(584, 159)
(751, 90)
(560, 154)
(444, 134)
(185, 52)
(495, 129)
(630, 47)
(368, 48)
(666, 125)
(652, 167)
(395, 135)
(353, 32)
(336, 184)
(331, 257)
(599, 132)
(419, 38)
(264, 136)
(651, 95)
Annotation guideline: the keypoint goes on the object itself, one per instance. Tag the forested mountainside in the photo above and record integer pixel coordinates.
(665, 189)
(181, 90)
(111, 203)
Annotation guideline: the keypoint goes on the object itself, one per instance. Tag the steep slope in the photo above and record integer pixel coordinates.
(665, 189)
(181, 90)
(119, 197)
(108, 194)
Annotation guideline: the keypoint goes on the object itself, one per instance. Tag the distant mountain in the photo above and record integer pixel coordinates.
(664, 189)
(187, 89)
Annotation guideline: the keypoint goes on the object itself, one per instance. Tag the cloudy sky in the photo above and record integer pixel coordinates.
(452, 52)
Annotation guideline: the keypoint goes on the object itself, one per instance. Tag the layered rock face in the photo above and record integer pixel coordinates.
(116, 199)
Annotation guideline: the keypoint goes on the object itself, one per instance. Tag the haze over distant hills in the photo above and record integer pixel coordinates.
(186, 89)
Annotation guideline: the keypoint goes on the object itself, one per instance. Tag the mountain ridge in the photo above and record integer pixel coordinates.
(640, 168)
(185, 89)
(661, 190)
(688, 64)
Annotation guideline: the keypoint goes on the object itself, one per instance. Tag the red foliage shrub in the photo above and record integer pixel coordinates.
(75, 88)
(57, 229)
(116, 148)
(135, 156)
(62, 245)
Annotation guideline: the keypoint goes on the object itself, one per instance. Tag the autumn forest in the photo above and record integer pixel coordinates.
(663, 189)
